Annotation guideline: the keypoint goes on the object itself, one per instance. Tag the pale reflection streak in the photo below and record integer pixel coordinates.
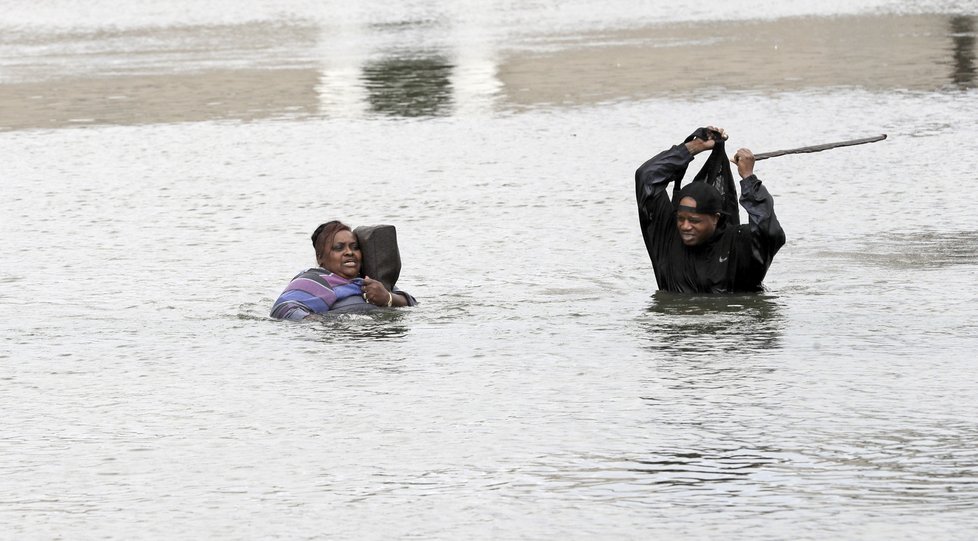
(390, 78)
(349, 67)
(341, 53)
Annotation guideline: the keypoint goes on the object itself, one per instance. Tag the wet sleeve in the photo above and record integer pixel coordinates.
(654, 207)
(291, 305)
(411, 301)
(307, 293)
(767, 237)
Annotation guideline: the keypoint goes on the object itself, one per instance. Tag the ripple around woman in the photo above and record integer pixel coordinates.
(335, 285)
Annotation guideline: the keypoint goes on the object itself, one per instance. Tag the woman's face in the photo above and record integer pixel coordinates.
(343, 256)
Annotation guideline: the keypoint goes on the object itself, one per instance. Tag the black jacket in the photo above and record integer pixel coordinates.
(735, 259)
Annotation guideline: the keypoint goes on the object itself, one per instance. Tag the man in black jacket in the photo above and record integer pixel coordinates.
(695, 241)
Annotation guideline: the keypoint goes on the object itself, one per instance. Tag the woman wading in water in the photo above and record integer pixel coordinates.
(335, 285)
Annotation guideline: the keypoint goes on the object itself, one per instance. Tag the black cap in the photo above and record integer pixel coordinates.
(708, 199)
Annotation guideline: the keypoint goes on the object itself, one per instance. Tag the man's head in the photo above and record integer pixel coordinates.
(698, 213)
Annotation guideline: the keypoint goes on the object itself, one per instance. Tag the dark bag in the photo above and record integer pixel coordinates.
(716, 171)
(381, 258)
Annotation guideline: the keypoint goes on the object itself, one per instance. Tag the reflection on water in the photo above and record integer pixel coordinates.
(788, 54)
(339, 328)
(409, 86)
(302, 70)
(890, 468)
(962, 31)
(712, 325)
(913, 250)
(684, 467)
(365, 327)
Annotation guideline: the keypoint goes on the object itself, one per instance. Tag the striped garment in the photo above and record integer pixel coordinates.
(314, 291)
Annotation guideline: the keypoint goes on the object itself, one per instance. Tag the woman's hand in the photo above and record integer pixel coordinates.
(375, 293)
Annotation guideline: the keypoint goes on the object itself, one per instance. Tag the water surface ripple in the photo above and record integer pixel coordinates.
(160, 183)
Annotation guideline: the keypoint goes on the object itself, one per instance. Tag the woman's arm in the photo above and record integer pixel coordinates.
(310, 292)
(375, 293)
(292, 305)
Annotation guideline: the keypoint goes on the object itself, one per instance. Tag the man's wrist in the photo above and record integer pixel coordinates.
(696, 146)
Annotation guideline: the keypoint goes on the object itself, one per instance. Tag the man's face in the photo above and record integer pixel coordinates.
(695, 228)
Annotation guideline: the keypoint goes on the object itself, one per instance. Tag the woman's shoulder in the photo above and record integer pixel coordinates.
(312, 273)
(321, 276)
(325, 277)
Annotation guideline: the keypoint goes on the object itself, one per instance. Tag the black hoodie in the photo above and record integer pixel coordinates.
(736, 257)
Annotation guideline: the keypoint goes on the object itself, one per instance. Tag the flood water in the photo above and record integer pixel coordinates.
(165, 163)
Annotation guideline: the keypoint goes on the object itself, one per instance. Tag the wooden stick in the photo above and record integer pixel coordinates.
(818, 148)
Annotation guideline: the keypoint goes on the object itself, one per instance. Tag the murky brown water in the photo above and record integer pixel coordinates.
(273, 70)
(876, 53)
(163, 169)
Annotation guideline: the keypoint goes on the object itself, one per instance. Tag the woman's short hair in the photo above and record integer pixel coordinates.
(323, 236)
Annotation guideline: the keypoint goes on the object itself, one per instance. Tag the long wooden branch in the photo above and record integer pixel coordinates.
(818, 148)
